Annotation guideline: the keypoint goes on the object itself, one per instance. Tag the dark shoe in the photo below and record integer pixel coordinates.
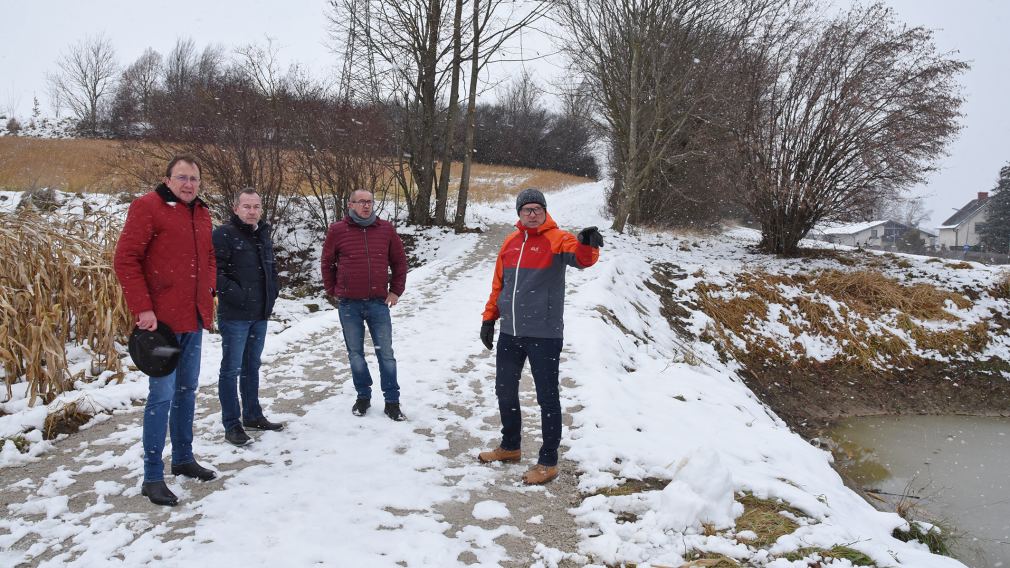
(194, 470)
(237, 436)
(500, 454)
(393, 411)
(159, 493)
(262, 423)
(360, 406)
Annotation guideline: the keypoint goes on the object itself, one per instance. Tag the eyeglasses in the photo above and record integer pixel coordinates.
(368, 202)
(528, 211)
(184, 179)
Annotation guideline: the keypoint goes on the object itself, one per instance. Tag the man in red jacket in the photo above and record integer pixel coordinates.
(165, 264)
(365, 268)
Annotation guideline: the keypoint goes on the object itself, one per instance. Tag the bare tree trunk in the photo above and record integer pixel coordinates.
(471, 125)
(442, 192)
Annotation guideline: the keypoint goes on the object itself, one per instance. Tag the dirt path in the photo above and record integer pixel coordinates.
(85, 492)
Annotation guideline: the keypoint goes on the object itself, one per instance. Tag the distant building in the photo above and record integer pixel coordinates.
(962, 228)
(884, 233)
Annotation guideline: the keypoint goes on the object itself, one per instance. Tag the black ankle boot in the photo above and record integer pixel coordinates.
(194, 470)
(393, 411)
(159, 493)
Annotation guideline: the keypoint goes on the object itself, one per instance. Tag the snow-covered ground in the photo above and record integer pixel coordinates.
(336, 490)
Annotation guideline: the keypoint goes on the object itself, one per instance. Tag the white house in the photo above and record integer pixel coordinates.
(884, 233)
(962, 228)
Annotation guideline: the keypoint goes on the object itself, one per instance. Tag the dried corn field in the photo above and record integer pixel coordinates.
(57, 288)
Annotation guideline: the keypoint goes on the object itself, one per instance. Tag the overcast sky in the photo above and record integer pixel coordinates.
(36, 31)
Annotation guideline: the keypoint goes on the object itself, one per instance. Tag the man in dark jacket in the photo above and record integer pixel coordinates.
(165, 264)
(528, 294)
(246, 291)
(365, 268)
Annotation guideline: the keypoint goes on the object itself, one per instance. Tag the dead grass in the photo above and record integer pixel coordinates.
(871, 293)
(1001, 289)
(709, 560)
(838, 552)
(57, 287)
(100, 166)
(74, 165)
(66, 419)
(632, 486)
(763, 517)
(739, 309)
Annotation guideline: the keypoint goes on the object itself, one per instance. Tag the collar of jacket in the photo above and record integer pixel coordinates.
(242, 225)
(547, 226)
(168, 197)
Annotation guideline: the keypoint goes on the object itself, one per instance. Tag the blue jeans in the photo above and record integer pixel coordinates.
(170, 404)
(241, 347)
(354, 314)
(544, 355)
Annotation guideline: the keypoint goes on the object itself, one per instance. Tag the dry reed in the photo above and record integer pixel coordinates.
(57, 287)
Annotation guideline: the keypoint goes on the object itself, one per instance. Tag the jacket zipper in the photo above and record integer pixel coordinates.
(196, 259)
(515, 284)
(368, 261)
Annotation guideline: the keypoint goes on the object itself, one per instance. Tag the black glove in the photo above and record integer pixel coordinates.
(487, 333)
(590, 236)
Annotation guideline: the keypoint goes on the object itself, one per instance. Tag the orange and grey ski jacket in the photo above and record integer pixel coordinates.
(528, 290)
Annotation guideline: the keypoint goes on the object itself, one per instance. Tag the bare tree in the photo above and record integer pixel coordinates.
(840, 116)
(134, 93)
(493, 23)
(648, 66)
(415, 52)
(86, 76)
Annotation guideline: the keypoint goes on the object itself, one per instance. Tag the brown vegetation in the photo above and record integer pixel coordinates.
(862, 296)
(99, 166)
(57, 287)
(67, 165)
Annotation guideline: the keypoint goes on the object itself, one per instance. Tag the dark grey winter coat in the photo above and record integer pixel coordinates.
(246, 271)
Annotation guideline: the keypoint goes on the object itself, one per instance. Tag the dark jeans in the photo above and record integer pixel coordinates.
(544, 356)
(241, 347)
(170, 404)
(354, 314)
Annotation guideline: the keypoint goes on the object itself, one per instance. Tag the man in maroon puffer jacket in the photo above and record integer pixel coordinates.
(365, 268)
(166, 266)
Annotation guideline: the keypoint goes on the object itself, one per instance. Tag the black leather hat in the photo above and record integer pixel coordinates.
(156, 353)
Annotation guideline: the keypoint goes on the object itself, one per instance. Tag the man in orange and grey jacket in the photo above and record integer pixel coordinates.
(528, 294)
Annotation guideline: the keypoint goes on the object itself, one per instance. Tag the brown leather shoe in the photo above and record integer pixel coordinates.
(539, 474)
(500, 454)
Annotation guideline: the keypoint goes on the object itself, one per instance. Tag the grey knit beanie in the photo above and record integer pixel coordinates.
(530, 195)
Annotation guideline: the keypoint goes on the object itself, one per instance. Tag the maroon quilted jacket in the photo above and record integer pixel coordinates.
(361, 263)
(165, 260)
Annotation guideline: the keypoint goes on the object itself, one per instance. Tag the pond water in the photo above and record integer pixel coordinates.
(955, 468)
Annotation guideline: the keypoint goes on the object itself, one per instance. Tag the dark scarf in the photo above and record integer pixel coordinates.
(364, 222)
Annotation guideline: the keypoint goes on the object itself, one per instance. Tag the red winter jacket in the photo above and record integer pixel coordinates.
(165, 260)
(357, 260)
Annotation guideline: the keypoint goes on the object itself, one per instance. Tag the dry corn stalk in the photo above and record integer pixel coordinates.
(57, 287)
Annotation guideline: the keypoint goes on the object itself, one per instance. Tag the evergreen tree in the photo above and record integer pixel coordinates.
(995, 234)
